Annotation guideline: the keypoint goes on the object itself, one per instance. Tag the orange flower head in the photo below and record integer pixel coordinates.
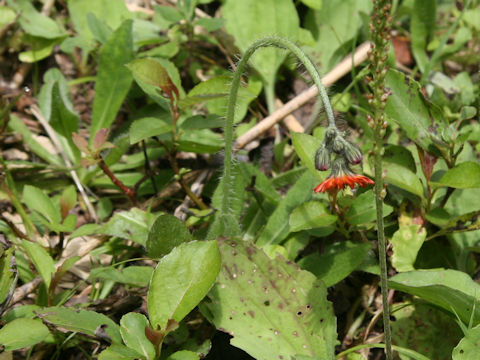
(341, 177)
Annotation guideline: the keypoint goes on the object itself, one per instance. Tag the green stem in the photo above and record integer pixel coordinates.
(381, 242)
(232, 99)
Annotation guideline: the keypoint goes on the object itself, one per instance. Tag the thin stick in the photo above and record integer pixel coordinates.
(336, 73)
(53, 136)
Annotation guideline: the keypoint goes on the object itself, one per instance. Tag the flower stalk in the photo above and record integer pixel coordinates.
(380, 27)
(227, 185)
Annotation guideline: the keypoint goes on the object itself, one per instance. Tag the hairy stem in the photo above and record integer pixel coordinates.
(228, 132)
(380, 30)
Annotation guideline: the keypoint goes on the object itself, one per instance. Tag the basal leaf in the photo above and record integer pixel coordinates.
(249, 20)
(7, 273)
(277, 228)
(421, 327)
(463, 176)
(132, 328)
(133, 224)
(215, 93)
(36, 200)
(113, 78)
(336, 262)
(469, 347)
(451, 290)
(363, 209)
(403, 178)
(41, 259)
(83, 321)
(406, 242)
(150, 71)
(21, 333)
(309, 215)
(145, 128)
(166, 233)
(271, 308)
(333, 26)
(422, 26)
(407, 107)
(181, 280)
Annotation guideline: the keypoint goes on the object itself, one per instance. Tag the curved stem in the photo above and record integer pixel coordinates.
(232, 99)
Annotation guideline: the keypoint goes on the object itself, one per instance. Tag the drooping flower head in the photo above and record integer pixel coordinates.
(341, 177)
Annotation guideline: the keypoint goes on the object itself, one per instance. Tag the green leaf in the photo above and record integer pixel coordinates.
(306, 146)
(277, 228)
(7, 15)
(82, 321)
(40, 48)
(57, 107)
(407, 107)
(451, 290)
(363, 209)
(333, 26)
(112, 13)
(33, 22)
(399, 155)
(406, 242)
(425, 329)
(7, 273)
(150, 71)
(41, 259)
(314, 4)
(310, 215)
(145, 128)
(118, 352)
(18, 126)
(166, 233)
(463, 176)
(183, 355)
(422, 27)
(336, 262)
(132, 224)
(215, 93)
(36, 200)
(132, 275)
(100, 31)
(403, 178)
(271, 308)
(132, 328)
(181, 280)
(468, 347)
(249, 20)
(21, 333)
(64, 121)
(210, 121)
(113, 79)
(200, 141)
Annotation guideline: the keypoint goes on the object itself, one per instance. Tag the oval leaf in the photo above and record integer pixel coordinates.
(21, 333)
(181, 280)
(166, 233)
(463, 176)
(451, 290)
(310, 215)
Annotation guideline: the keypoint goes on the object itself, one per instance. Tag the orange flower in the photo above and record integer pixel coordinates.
(334, 183)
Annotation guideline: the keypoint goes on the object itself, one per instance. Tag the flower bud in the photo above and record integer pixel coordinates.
(322, 159)
(338, 145)
(353, 153)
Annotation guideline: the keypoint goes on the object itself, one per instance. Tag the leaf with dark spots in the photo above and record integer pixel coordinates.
(257, 298)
